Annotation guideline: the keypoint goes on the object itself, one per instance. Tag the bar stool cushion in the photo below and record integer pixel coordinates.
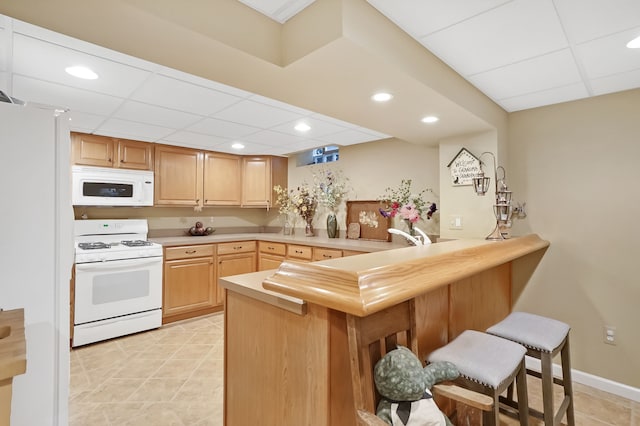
(481, 357)
(533, 331)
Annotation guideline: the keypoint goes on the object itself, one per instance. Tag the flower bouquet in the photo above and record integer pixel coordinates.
(410, 207)
(330, 188)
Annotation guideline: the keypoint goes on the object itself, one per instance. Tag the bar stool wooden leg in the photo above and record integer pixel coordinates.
(567, 383)
(523, 397)
(547, 387)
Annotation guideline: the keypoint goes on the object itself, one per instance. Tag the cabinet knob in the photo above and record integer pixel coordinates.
(327, 255)
(189, 251)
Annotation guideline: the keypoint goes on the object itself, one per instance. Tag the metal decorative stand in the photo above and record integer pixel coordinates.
(503, 208)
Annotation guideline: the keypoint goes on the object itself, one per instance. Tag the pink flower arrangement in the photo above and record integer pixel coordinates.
(409, 207)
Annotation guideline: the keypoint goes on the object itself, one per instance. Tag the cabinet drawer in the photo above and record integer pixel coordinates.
(299, 252)
(326, 254)
(236, 247)
(187, 252)
(272, 248)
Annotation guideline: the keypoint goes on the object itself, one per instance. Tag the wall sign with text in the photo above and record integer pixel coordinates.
(464, 167)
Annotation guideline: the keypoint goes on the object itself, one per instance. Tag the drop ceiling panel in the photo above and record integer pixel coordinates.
(32, 90)
(83, 122)
(501, 36)
(187, 138)
(587, 20)
(151, 114)
(546, 97)
(176, 94)
(609, 55)
(615, 83)
(46, 61)
(534, 75)
(131, 130)
(256, 114)
(226, 129)
(417, 17)
(271, 138)
(318, 128)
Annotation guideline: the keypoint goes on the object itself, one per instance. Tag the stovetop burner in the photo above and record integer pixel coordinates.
(93, 246)
(135, 243)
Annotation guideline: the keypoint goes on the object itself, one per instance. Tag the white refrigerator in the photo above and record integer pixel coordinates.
(36, 254)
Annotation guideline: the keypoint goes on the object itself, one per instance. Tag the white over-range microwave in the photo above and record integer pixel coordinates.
(100, 186)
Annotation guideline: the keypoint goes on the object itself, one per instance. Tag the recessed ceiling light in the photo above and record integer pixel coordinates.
(634, 44)
(382, 97)
(81, 72)
(302, 127)
(430, 119)
(237, 145)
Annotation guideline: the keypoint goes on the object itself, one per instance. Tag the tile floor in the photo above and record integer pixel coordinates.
(173, 376)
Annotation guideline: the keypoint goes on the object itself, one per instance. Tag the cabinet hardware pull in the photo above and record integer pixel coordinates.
(299, 251)
(189, 251)
(327, 255)
(237, 247)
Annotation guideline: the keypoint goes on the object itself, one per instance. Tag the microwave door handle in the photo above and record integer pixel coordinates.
(115, 264)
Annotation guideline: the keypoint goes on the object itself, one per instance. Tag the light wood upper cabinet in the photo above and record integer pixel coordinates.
(259, 176)
(92, 150)
(104, 151)
(178, 177)
(135, 155)
(222, 179)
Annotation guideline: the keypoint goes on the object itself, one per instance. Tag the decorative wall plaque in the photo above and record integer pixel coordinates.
(464, 167)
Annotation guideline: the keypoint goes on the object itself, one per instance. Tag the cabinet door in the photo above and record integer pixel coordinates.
(188, 285)
(178, 176)
(234, 264)
(269, 261)
(92, 150)
(256, 182)
(222, 179)
(135, 155)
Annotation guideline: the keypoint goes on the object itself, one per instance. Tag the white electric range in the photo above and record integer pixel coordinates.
(118, 280)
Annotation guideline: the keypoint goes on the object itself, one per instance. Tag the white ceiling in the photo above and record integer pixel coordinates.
(136, 99)
(521, 53)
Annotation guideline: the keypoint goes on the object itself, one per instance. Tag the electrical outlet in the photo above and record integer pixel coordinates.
(609, 335)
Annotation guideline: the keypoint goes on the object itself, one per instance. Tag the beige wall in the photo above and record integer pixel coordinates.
(576, 166)
(475, 211)
(371, 168)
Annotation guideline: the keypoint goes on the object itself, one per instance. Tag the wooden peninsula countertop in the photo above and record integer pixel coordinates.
(288, 343)
(367, 283)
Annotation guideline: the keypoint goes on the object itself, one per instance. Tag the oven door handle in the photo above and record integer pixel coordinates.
(118, 264)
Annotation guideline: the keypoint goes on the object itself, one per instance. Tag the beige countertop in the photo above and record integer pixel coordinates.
(317, 241)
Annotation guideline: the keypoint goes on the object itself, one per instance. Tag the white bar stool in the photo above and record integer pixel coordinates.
(488, 364)
(544, 338)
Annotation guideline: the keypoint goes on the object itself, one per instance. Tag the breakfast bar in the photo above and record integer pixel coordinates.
(286, 344)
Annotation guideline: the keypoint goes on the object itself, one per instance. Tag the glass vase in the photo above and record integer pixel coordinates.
(332, 225)
(409, 224)
(308, 228)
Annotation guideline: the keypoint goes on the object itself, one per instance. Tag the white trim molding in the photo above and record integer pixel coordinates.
(606, 385)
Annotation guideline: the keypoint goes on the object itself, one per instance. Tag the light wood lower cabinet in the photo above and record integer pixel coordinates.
(189, 282)
(300, 253)
(320, 253)
(270, 255)
(233, 259)
(191, 273)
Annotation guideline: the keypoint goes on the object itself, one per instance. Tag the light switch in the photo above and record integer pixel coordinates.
(455, 222)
